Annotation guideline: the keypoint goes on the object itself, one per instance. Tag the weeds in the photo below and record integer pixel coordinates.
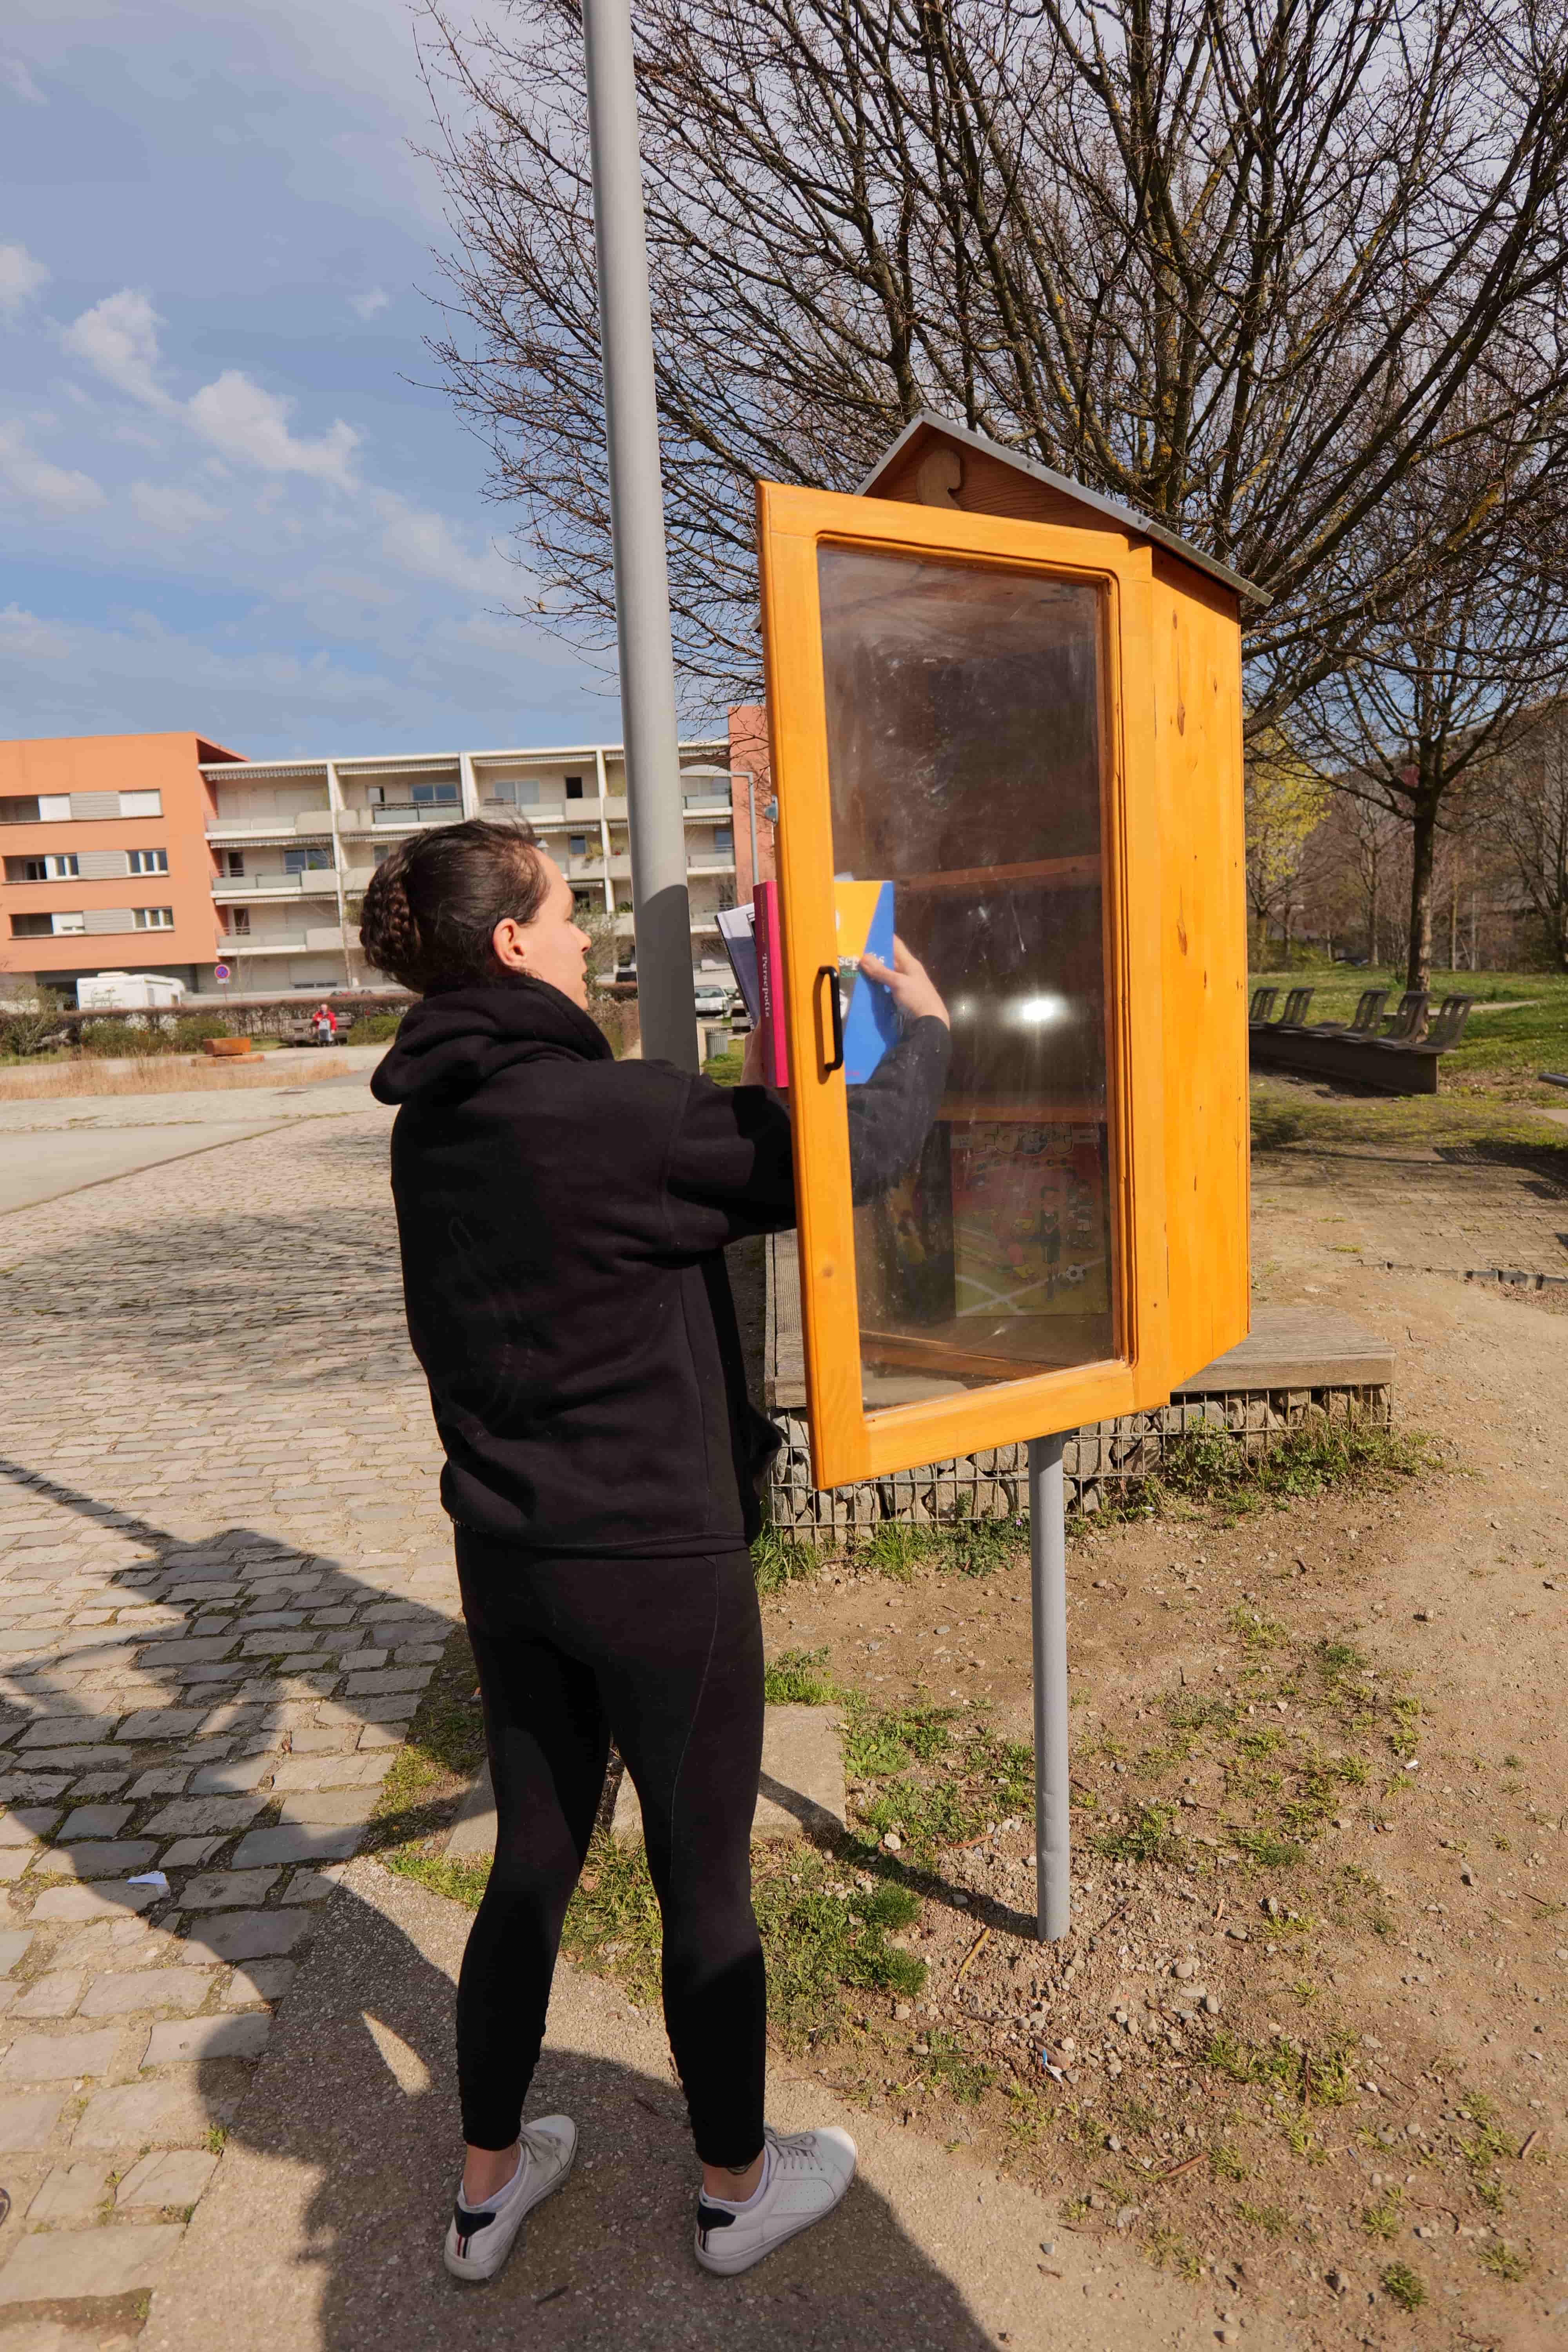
(1210, 1465)
(1382, 2220)
(1272, 2219)
(1150, 1838)
(795, 1678)
(948, 2067)
(1402, 2286)
(1510, 2263)
(778, 1559)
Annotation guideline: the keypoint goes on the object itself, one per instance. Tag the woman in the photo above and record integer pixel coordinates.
(563, 1219)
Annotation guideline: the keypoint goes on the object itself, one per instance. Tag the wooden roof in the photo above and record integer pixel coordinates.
(904, 471)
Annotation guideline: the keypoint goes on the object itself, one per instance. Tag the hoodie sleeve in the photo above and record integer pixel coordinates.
(730, 1167)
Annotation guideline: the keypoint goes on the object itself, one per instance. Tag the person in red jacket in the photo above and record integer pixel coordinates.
(324, 1022)
(562, 1218)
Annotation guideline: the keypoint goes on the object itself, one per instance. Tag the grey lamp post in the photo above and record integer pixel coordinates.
(656, 819)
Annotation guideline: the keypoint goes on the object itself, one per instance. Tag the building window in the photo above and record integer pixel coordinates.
(233, 865)
(438, 796)
(723, 841)
(152, 919)
(15, 810)
(313, 860)
(141, 804)
(42, 869)
(577, 844)
(32, 927)
(239, 921)
(144, 861)
(574, 788)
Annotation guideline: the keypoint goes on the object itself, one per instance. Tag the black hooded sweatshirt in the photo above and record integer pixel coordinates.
(563, 1219)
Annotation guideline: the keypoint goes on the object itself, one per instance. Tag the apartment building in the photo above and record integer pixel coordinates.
(106, 864)
(272, 857)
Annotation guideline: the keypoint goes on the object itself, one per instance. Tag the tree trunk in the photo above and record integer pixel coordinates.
(1423, 844)
(1371, 920)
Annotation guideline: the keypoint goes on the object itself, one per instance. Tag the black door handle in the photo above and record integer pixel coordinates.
(829, 972)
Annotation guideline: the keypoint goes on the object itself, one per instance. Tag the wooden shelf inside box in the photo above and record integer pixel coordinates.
(1044, 872)
(1011, 1348)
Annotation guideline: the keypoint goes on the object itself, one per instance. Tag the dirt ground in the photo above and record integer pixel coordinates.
(1322, 1770)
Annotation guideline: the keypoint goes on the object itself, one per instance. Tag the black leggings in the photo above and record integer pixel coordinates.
(666, 1656)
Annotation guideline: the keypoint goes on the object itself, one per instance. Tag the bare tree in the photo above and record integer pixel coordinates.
(1529, 808)
(1448, 666)
(1234, 263)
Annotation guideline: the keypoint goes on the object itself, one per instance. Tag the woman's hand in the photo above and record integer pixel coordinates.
(909, 984)
(751, 1060)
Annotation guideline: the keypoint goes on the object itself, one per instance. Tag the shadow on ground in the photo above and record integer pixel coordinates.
(324, 2226)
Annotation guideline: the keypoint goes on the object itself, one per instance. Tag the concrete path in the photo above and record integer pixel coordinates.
(58, 1144)
(322, 2231)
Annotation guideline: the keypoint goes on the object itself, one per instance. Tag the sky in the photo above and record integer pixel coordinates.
(230, 500)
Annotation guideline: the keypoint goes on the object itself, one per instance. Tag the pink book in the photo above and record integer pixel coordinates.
(770, 985)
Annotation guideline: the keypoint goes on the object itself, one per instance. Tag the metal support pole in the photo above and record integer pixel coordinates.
(655, 812)
(1049, 1589)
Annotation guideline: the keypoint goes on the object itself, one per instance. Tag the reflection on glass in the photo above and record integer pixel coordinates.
(965, 769)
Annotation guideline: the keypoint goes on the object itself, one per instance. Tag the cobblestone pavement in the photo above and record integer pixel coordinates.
(1465, 1209)
(225, 1577)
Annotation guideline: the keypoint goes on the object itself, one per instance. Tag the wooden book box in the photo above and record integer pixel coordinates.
(1017, 707)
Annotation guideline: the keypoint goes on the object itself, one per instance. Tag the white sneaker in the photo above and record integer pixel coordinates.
(807, 2177)
(478, 2243)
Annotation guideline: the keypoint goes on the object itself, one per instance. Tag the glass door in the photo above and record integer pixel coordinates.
(966, 775)
(950, 761)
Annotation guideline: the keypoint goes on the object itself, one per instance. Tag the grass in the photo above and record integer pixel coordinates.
(1499, 1052)
(1210, 1465)
(796, 1678)
(947, 2067)
(779, 1559)
(1510, 2263)
(1317, 2076)
(1382, 2220)
(1402, 2286)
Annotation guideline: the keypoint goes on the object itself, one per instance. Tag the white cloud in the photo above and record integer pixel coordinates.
(118, 338)
(243, 421)
(54, 487)
(366, 306)
(20, 277)
(166, 507)
(20, 82)
(425, 544)
(25, 638)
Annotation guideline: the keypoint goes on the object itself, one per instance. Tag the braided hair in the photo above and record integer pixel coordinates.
(432, 905)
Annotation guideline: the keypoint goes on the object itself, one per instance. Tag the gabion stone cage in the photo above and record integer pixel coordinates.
(1100, 1465)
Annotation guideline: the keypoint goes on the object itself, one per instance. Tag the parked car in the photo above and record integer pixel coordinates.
(712, 999)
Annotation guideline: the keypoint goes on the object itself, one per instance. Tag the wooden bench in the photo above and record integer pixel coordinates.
(1395, 1054)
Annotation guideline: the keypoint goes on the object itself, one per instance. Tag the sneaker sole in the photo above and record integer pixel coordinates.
(469, 2274)
(750, 2262)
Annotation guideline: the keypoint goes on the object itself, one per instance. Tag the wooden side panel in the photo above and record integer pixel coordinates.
(1202, 955)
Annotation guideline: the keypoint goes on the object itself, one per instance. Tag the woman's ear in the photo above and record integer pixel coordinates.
(506, 942)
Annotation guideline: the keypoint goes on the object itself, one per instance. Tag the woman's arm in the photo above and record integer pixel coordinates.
(730, 1167)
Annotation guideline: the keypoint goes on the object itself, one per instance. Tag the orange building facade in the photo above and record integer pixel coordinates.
(107, 865)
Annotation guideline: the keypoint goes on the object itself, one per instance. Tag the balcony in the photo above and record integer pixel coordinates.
(313, 824)
(272, 942)
(711, 865)
(701, 804)
(404, 816)
(320, 882)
